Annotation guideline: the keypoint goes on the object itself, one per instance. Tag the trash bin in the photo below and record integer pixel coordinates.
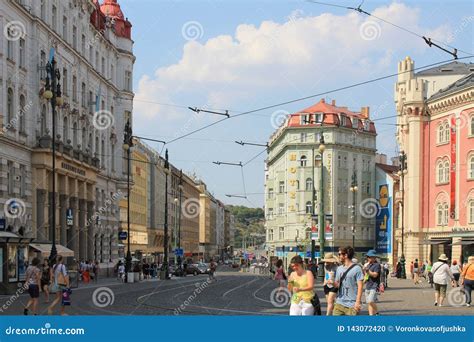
(130, 277)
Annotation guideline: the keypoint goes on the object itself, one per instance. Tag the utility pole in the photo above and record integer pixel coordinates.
(164, 267)
(127, 145)
(401, 173)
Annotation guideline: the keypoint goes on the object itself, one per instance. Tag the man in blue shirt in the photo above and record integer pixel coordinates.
(372, 271)
(349, 280)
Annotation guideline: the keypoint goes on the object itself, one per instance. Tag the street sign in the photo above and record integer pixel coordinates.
(123, 236)
(179, 252)
(69, 217)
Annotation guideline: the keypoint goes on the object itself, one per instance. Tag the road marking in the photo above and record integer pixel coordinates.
(238, 287)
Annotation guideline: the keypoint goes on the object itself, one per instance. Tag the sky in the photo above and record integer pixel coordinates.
(243, 55)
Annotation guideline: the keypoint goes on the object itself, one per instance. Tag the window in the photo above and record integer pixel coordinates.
(22, 180)
(10, 108)
(10, 49)
(91, 102)
(22, 61)
(22, 125)
(318, 117)
(97, 61)
(281, 233)
(303, 161)
(442, 214)
(91, 54)
(65, 129)
(471, 211)
(103, 66)
(74, 88)
(64, 75)
(309, 184)
(74, 37)
(297, 184)
(471, 168)
(355, 123)
(343, 120)
(83, 95)
(102, 155)
(112, 73)
(303, 137)
(128, 80)
(83, 45)
(43, 64)
(446, 171)
(10, 177)
(443, 133)
(304, 119)
(309, 207)
(65, 28)
(74, 135)
(281, 188)
(54, 18)
(270, 234)
(281, 208)
(270, 193)
(472, 126)
(43, 10)
(270, 213)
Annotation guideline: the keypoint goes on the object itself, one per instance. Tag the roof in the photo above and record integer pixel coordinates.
(324, 107)
(390, 169)
(463, 83)
(452, 68)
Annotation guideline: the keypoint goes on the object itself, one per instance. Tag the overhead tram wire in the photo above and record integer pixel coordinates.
(354, 85)
(429, 41)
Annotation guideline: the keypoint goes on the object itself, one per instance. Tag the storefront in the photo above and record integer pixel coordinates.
(13, 262)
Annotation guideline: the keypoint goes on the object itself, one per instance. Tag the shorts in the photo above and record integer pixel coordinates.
(44, 283)
(441, 289)
(329, 289)
(33, 290)
(371, 296)
(341, 310)
(301, 309)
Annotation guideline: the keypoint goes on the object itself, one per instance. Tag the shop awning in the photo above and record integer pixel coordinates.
(45, 249)
(436, 242)
(464, 242)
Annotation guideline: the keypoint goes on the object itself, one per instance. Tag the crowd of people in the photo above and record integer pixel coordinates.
(346, 280)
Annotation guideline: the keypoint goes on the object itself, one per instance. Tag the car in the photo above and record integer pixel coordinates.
(202, 267)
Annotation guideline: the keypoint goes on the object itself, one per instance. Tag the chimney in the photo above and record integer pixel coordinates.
(364, 112)
(333, 102)
(381, 158)
(323, 101)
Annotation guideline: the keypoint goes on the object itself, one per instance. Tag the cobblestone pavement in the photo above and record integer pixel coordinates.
(233, 293)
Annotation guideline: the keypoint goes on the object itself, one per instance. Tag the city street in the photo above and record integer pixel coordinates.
(234, 293)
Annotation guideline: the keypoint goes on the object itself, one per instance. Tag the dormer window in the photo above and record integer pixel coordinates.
(318, 117)
(304, 119)
(343, 120)
(355, 123)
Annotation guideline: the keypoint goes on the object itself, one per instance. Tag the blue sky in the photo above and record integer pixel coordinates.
(242, 55)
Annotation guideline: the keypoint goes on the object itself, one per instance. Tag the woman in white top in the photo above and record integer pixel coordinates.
(59, 283)
(441, 276)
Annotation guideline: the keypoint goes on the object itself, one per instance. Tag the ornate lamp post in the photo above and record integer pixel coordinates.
(127, 145)
(401, 173)
(52, 93)
(165, 266)
(354, 190)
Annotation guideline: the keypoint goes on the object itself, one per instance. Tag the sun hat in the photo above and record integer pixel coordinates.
(470, 260)
(372, 253)
(329, 257)
(443, 257)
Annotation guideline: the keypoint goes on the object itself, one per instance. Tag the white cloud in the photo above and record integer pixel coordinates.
(234, 71)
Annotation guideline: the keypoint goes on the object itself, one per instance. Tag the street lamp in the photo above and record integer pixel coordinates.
(354, 188)
(52, 93)
(127, 145)
(403, 170)
(164, 267)
(180, 186)
(175, 232)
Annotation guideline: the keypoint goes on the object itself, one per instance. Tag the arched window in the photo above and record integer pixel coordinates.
(446, 171)
(22, 124)
(439, 172)
(470, 170)
(309, 208)
(83, 139)
(74, 135)
(472, 125)
(446, 213)
(65, 129)
(10, 108)
(471, 211)
(309, 184)
(102, 154)
(447, 132)
(303, 161)
(439, 215)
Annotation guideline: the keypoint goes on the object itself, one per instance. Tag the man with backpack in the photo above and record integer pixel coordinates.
(349, 281)
(372, 275)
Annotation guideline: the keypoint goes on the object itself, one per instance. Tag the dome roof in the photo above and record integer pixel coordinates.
(111, 9)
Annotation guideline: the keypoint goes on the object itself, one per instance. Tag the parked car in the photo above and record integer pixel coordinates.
(203, 267)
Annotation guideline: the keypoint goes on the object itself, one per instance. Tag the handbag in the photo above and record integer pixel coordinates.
(61, 278)
(66, 297)
(316, 305)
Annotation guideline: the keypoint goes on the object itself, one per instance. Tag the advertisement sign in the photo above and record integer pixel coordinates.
(383, 221)
(69, 217)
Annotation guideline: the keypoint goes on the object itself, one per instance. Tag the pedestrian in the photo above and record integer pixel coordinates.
(146, 270)
(467, 279)
(301, 283)
(95, 270)
(212, 270)
(386, 272)
(429, 267)
(441, 277)
(32, 282)
(86, 273)
(416, 272)
(456, 271)
(45, 276)
(349, 281)
(330, 268)
(280, 275)
(399, 270)
(412, 267)
(372, 275)
(59, 283)
(121, 271)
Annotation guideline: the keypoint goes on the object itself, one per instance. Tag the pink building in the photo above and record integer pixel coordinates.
(436, 131)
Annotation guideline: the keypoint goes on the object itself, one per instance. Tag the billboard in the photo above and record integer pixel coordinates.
(383, 221)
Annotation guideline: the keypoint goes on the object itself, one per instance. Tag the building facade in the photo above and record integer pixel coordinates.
(435, 110)
(94, 55)
(293, 180)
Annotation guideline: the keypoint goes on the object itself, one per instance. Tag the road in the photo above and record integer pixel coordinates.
(233, 293)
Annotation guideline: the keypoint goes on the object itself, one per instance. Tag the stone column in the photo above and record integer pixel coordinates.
(82, 229)
(40, 221)
(72, 231)
(63, 208)
(91, 219)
